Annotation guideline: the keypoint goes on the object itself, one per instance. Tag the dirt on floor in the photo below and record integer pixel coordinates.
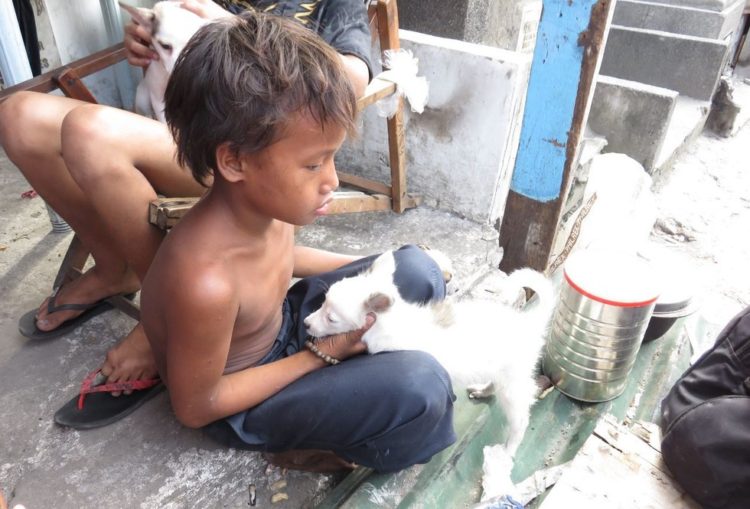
(703, 206)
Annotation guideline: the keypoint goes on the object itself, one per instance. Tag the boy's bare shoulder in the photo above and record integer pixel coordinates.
(192, 265)
(191, 281)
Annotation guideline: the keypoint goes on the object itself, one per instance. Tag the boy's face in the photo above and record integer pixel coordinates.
(294, 178)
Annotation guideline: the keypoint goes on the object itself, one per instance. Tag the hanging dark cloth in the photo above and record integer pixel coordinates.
(27, 24)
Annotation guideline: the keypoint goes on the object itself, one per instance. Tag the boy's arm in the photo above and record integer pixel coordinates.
(309, 261)
(355, 67)
(201, 321)
(358, 73)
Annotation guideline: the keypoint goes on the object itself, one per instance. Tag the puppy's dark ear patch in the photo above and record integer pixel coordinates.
(378, 302)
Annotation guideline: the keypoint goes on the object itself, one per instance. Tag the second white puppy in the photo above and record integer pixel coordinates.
(477, 341)
(171, 28)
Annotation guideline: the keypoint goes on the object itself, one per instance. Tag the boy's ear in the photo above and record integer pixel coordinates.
(230, 163)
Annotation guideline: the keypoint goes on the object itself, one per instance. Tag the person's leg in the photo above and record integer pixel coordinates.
(120, 160)
(30, 125)
(386, 411)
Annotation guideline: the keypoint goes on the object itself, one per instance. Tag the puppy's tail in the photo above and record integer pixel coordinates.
(543, 302)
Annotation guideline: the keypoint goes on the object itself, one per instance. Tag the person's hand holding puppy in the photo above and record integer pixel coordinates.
(138, 45)
(206, 9)
(348, 344)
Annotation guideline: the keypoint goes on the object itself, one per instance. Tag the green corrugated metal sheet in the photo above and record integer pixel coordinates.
(559, 426)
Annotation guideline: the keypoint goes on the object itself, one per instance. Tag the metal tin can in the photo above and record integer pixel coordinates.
(605, 304)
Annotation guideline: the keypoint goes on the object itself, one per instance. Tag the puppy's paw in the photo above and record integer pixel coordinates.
(481, 391)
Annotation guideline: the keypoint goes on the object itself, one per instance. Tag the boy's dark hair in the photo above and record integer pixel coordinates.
(240, 79)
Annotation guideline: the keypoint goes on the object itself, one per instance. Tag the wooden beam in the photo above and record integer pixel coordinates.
(376, 90)
(70, 83)
(374, 186)
(72, 264)
(569, 47)
(350, 202)
(83, 67)
(346, 203)
(388, 10)
(127, 306)
(164, 213)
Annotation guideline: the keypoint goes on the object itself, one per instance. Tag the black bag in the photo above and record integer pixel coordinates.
(706, 422)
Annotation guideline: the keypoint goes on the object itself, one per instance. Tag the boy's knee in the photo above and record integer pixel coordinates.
(82, 128)
(418, 277)
(87, 133)
(19, 117)
(425, 385)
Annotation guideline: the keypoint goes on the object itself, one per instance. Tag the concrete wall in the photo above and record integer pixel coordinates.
(500, 23)
(461, 150)
(633, 117)
(690, 65)
(78, 29)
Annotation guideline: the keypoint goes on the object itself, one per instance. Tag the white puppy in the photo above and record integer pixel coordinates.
(171, 27)
(477, 341)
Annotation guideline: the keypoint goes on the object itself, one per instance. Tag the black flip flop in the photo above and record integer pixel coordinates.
(27, 324)
(101, 408)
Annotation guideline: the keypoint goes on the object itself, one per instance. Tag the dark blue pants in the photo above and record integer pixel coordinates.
(386, 411)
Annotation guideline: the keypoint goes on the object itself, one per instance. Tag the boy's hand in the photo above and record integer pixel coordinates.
(348, 344)
(137, 45)
(206, 9)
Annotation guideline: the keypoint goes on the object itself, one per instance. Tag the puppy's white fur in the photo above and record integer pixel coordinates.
(477, 341)
(171, 27)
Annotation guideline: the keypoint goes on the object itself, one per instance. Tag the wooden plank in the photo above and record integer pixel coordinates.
(72, 86)
(88, 65)
(360, 203)
(127, 306)
(346, 203)
(388, 12)
(570, 44)
(73, 262)
(164, 213)
(374, 186)
(375, 91)
(616, 469)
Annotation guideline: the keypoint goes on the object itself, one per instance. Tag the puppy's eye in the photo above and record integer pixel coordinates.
(331, 318)
(165, 46)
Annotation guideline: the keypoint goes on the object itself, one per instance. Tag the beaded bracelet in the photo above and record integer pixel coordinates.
(314, 349)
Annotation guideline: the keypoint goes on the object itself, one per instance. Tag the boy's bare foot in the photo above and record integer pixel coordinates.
(130, 359)
(309, 460)
(91, 287)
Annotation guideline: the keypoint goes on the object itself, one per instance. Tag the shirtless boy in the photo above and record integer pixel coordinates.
(99, 167)
(266, 118)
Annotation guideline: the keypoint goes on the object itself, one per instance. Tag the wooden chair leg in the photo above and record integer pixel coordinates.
(72, 267)
(397, 158)
(73, 262)
(127, 306)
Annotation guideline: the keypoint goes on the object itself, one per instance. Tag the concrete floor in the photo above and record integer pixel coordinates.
(148, 460)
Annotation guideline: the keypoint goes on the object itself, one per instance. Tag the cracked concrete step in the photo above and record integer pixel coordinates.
(683, 18)
(690, 65)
